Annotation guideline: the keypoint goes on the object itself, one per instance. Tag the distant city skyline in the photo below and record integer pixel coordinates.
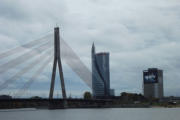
(139, 35)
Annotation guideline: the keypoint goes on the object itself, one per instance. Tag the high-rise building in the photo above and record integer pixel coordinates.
(100, 73)
(153, 83)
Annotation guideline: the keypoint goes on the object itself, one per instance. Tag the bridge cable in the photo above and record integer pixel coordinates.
(25, 57)
(27, 45)
(33, 78)
(24, 70)
(75, 63)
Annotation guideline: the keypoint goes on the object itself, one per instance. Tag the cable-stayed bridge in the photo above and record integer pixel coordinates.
(37, 54)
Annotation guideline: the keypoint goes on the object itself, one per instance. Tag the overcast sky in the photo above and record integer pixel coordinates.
(139, 34)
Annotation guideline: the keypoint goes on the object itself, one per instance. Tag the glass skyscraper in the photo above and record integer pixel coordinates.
(100, 73)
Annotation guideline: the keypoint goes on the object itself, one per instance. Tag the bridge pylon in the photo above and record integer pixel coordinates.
(57, 60)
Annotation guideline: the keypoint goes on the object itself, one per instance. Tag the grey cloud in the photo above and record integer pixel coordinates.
(137, 33)
(11, 10)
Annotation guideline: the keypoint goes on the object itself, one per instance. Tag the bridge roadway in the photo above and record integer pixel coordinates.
(54, 103)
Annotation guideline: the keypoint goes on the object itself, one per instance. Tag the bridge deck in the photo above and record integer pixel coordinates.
(53, 103)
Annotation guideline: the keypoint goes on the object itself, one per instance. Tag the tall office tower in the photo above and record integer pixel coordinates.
(100, 74)
(153, 83)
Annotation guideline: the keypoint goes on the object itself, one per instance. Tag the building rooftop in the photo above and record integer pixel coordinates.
(102, 53)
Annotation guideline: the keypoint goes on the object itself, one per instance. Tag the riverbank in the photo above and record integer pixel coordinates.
(69, 103)
(80, 103)
(165, 106)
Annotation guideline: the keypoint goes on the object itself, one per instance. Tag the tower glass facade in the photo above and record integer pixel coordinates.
(100, 73)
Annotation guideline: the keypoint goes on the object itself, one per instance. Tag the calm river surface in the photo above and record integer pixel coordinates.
(93, 114)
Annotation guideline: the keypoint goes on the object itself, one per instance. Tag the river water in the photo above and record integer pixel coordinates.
(93, 114)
